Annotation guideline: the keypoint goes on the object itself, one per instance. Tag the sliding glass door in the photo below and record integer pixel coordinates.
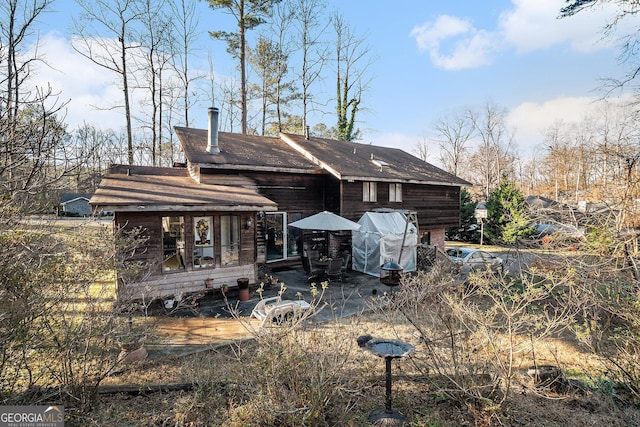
(283, 241)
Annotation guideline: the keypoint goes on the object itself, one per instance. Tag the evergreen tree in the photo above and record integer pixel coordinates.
(507, 219)
(468, 230)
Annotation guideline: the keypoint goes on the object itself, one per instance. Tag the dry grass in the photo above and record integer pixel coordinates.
(318, 376)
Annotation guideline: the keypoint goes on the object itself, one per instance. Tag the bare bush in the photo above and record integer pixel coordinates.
(57, 288)
(609, 326)
(287, 376)
(476, 333)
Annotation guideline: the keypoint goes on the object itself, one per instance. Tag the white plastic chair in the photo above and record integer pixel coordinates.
(277, 310)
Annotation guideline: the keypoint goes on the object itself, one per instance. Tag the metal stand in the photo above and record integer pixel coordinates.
(389, 349)
(387, 416)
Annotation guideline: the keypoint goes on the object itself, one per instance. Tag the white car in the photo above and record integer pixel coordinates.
(475, 259)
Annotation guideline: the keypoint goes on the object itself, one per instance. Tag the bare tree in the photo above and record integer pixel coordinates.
(98, 144)
(589, 159)
(493, 158)
(228, 103)
(555, 163)
(98, 20)
(629, 43)
(285, 90)
(171, 96)
(248, 15)
(185, 33)
(453, 136)
(34, 158)
(154, 58)
(423, 149)
(351, 80)
(310, 28)
(17, 26)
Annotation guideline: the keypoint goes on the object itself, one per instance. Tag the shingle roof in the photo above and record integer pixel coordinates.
(295, 153)
(242, 151)
(357, 161)
(131, 188)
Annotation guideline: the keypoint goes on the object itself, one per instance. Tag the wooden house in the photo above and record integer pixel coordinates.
(227, 209)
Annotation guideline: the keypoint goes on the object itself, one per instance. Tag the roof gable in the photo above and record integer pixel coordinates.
(84, 199)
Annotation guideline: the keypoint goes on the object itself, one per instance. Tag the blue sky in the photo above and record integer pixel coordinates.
(431, 58)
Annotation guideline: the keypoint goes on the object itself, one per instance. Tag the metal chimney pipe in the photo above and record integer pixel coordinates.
(212, 141)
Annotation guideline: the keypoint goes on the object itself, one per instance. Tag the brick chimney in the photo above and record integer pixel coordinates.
(212, 141)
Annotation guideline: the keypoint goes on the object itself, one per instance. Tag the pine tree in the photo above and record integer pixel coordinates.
(507, 218)
(467, 231)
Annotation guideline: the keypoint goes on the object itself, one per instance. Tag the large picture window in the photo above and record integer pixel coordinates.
(172, 243)
(395, 192)
(203, 242)
(369, 192)
(230, 240)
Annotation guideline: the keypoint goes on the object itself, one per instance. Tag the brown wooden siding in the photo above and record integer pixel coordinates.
(437, 206)
(293, 193)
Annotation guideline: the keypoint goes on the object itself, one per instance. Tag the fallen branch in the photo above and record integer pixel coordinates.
(141, 390)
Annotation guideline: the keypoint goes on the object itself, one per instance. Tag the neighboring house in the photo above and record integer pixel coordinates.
(244, 190)
(75, 205)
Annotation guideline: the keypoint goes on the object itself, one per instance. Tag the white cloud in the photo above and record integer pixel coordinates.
(530, 119)
(430, 35)
(533, 25)
(454, 43)
(89, 88)
(471, 48)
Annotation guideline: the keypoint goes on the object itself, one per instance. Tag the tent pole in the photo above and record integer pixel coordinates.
(411, 217)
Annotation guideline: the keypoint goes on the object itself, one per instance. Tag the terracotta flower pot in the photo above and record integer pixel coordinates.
(130, 342)
(243, 283)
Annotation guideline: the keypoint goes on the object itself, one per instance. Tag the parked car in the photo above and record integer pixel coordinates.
(475, 259)
(564, 230)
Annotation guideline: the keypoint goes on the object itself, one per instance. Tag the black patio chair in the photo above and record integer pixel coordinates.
(334, 269)
(346, 258)
(315, 274)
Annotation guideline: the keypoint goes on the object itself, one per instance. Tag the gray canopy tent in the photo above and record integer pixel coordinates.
(384, 236)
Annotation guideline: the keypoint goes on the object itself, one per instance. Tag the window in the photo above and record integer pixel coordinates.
(230, 240)
(369, 192)
(395, 192)
(172, 243)
(203, 242)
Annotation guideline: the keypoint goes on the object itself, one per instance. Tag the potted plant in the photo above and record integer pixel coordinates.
(131, 341)
(243, 289)
(131, 344)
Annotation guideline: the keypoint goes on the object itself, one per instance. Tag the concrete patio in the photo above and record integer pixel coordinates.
(216, 322)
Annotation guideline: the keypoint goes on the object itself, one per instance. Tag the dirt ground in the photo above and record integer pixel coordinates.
(413, 394)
